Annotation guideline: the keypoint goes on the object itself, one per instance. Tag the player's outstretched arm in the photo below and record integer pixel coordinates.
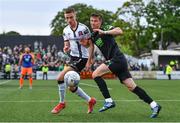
(115, 31)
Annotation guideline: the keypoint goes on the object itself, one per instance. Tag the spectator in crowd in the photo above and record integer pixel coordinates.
(8, 71)
(168, 71)
(161, 67)
(45, 70)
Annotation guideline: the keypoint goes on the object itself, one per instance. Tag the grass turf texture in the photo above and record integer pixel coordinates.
(35, 105)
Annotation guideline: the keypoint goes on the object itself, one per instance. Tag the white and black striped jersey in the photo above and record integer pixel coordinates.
(74, 36)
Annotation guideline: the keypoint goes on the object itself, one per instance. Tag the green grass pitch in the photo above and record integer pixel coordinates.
(35, 105)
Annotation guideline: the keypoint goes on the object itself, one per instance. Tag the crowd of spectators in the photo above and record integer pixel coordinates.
(56, 59)
(50, 55)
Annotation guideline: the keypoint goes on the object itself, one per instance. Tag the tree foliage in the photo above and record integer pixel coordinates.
(162, 23)
(146, 25)
(163, 18)
(83, 13)
(10, 33)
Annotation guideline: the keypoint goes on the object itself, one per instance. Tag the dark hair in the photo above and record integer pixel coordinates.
(97, 15)
(69, 10)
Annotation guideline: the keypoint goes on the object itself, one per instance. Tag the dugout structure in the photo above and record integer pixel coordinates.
(165, 56)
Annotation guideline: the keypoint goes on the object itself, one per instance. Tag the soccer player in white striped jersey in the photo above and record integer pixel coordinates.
(72, 34)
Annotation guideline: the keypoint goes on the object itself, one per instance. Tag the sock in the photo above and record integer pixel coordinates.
(62, 91)
(30, 81)
(142, 94)
(153, 104)
(82, 94)
(108, 100)
(103, 87)
(21, 81)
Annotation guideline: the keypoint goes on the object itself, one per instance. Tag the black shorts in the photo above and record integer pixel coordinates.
(120, 68)
(78, 63)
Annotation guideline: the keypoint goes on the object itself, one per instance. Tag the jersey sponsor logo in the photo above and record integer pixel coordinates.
(27, 58)
(80, 33)
(99, 42)
(86, 31)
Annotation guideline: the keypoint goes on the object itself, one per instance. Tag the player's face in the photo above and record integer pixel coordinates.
(70, 18)
(27, 50)
(95, 22)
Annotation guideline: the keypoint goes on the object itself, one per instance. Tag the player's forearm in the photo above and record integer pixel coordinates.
(91, 52)
(115, 31)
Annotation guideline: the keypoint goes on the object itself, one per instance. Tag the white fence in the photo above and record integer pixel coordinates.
(52, 75)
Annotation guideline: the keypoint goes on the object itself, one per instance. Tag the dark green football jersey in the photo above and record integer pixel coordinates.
(107, 45)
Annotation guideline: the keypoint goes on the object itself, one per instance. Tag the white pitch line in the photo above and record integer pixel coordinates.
(94, 86)
(49, 101)
(5, 82)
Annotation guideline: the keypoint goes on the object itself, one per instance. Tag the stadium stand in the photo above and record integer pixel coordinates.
(48, 49)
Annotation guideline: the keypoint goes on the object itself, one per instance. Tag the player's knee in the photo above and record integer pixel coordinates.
(22, 76)
(94, 75)
(131, 87)
(130, 84)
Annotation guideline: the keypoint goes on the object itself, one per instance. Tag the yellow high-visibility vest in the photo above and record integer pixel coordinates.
(45, 69)
(8, 68)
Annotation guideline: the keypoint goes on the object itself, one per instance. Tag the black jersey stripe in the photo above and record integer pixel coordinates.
(79, 46)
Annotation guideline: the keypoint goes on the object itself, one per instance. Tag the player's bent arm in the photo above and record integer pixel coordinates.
(115, 31)
(91, 51)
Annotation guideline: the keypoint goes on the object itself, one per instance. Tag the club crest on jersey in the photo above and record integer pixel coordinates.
(99, 42)
(80, 33)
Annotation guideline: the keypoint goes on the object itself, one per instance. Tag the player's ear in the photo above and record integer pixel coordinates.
(102, 21)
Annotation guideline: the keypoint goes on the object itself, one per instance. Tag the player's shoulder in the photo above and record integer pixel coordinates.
(66, 28)
(82, 25)
(22, 54)
(32, 54)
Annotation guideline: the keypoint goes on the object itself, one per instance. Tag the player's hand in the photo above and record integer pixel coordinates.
(88, 66)
(66, 49)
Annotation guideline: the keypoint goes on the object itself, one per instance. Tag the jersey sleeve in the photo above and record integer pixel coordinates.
(108, 27)
(65, 37)
(86, 33)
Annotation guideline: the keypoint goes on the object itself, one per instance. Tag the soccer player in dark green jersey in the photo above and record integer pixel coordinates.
(103, 38)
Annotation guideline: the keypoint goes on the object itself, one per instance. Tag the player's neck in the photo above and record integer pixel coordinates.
(74, 26)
